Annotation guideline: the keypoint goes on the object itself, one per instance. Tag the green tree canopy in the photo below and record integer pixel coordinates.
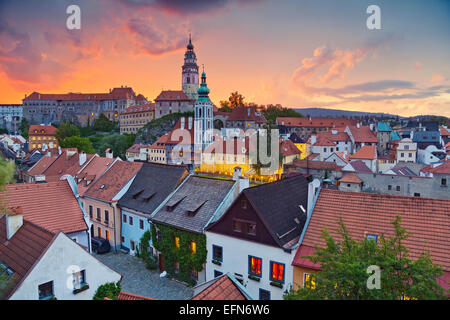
(344, 275)
(67, 130)
(7, 168)
(104, 124)
(118, 144)
(108, 290)
(82, 144)
(24, 126)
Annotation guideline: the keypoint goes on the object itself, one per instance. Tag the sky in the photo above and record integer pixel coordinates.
(300, 54)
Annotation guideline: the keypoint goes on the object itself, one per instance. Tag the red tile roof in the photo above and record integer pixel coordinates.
(221, 288)
(182, 135)
(344, 156)
(92, 171)
(288, 148)
(65, 164)
(350, 178)
(136, 148)
(113, 180)
(140, 108)
(312, 156)
(42, 165)
(129, 296)
(323, 141)
(115, 94)
(41, 130)
(335, 135)
(366, 152)
(246, 114)
(443, 168)
(363, 134)
(359, 166)
(172, 95)
(23, 250)
(313, 122)
(318, 165)
(160, 143)
(444, 132)
(427, 220)
(42, 204)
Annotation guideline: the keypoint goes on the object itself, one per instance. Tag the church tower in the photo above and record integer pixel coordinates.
(203, 117)
(190, 72)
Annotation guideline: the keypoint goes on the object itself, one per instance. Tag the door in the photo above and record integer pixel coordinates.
(92, 231)
(161, 263)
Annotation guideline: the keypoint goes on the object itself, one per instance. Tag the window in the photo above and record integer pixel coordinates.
(373, 237)
(91, 210)
(131, 220)
(133, 246)
(237, 226)
(217, 273)
(309, 281)
(107, 234)
(124, 218)
(141, 224)
(443, 182)
(264, 294)
(416, 194)
(45, 290)
(79, 279)
(106, 216)
(217, 253)
(276, 271)
(177, 242)
(122, 239)
(410, 155)
(398, 188)
(251, 229)
(99, 232)
(193, 247)
(389, 187)
(99, 215)
(244, 204)
(254, 266)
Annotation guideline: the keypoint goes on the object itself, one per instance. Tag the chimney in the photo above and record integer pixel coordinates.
(358, 125)
(237, 171)
(243, 183)
(334, 131)
(248, 111)
(82, 158)
(372, 127)
(59, 150)
(313, 188)
(182, 123)
(51, 144)
(108, 153)
(313, 139)
(190, 123)
(49, 154)
(70, 153)
(14, 220)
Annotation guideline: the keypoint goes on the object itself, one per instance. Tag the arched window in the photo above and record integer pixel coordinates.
(188, 80)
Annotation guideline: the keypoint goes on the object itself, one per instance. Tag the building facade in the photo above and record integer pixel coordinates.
(10, 117)
(136, 117)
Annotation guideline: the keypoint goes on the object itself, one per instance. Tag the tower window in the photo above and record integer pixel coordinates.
(188, 80)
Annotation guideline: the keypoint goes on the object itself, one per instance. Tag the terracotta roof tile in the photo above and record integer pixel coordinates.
(443, 168)
(171, 95)
(129, 296)
(366, 152)
(246, 114)
(42, 130)
(140, 108)
(320, 165)
(42, 165)
(363, 134)
(288, 148)
(222, 288)
(42, 205)
(313, 122)
(350, 178)
(115, 94)
(93, 170)
(113, 180)
(427, 220)
(444, 131)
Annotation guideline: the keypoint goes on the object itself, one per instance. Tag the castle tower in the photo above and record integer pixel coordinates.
(203, 117)
(190, 72)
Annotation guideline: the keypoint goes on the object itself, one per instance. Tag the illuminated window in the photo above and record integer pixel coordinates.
(254, 266)
(107, 234)
(99, 231)
(276, 271)
(193, 247)
(309, 281)
(177, 242)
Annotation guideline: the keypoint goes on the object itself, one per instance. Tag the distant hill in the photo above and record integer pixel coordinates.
(336, 113)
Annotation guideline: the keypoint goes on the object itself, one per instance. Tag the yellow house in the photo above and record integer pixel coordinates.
(38, 135)
(224, 156)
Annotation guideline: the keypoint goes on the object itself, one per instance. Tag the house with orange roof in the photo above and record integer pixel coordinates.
(171, 101)
(135, 117)
(289, 151)
(157, 151)
(368, 155)
(224, 287)
(245, 118)
(38, 263)
(361, 136)
(305, 127)
(137, 152)
(350, 182)
(101, 197)
(445, 135)
(42, 202)
(340, 158)
(40, 135)
(369, 215)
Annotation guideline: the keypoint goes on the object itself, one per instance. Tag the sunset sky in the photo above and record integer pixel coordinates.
(300, 54)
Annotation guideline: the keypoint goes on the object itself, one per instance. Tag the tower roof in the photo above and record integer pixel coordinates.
(203, 91)
(190, 46)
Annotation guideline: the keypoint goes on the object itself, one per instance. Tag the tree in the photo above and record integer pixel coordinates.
(272, 112)
(344, 266)
(236, 99)
(108, 290)
(24, 126)
(104, 124)
(118, 144)
(66, 130)
(7, 168)
(82, 144)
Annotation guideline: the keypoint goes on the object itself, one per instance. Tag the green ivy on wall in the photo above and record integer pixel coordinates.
(186, 259)
(149, 260)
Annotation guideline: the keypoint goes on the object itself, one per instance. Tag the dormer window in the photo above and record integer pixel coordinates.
(244, 204)
(373, 237)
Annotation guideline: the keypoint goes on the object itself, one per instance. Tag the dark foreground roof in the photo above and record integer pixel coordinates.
(278, 205)
(195, 202)
(153, 183)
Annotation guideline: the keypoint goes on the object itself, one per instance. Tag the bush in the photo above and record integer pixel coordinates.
(108, 290)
